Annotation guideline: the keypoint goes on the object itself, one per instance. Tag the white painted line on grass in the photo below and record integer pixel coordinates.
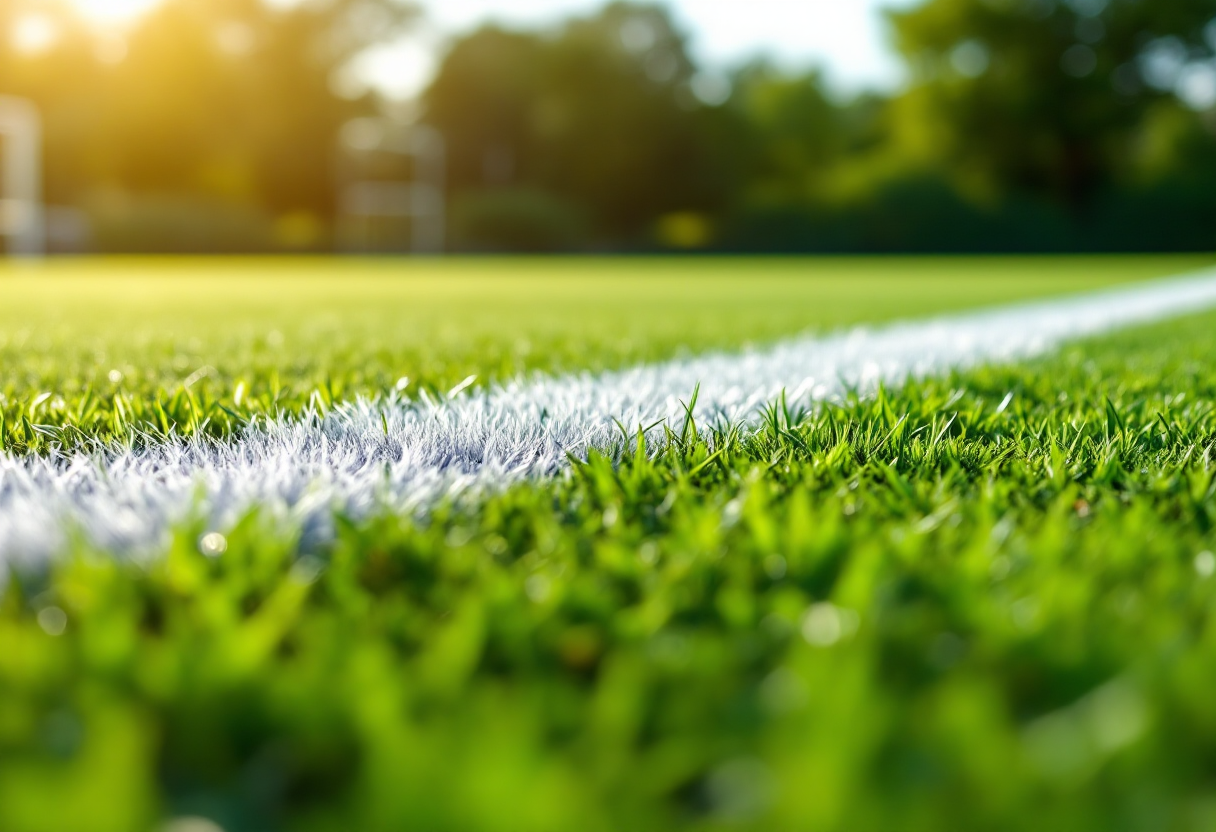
(306, 469)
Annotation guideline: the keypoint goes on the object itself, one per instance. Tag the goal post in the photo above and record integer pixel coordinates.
(420, 198)
(22, 220)
(427, 147)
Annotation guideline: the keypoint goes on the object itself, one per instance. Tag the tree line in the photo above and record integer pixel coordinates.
(1024, 125)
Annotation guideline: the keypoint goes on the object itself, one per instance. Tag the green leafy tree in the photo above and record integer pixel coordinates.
(798, 133)
(1041, 96)
(601, 115)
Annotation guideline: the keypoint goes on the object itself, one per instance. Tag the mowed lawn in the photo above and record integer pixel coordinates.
(980, 601)
(96, 348)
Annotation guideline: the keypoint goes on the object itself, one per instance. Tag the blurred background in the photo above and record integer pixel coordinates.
(238, 126)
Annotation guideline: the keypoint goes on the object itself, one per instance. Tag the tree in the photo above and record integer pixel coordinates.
(1039, 96)
(600, 115)
(228, 100)
(798, 134)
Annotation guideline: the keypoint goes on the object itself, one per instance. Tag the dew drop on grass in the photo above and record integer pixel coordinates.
(191, 824)
(307, 570)
(648, 553)
(826, 624)
(1205, 564)
(611, 515)
(1116, 715)
(537, 587)
(731, 513)
(459, 536)
(213, 544)
(53, 621)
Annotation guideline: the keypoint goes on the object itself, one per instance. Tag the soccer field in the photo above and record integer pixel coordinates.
(188, 334)
(968, 587)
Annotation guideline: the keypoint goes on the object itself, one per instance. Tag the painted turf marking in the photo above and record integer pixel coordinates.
(396, 455)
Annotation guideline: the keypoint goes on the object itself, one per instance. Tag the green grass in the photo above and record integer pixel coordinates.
(947, 608)
(101, 350)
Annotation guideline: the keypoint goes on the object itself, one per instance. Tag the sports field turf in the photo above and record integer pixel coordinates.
(978, 601)
(92, 349)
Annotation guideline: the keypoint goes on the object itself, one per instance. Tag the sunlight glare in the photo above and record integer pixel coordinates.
(113, 11)
(34, 33)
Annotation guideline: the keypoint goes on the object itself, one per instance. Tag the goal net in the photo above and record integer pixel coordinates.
(21, 212)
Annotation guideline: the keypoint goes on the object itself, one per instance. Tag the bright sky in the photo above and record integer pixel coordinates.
(846, 37)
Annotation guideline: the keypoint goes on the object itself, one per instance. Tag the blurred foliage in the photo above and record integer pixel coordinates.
(980, 602)
(514, 219)
(1025, 125)
(1050, 98)
(200, 124)
(600, 115)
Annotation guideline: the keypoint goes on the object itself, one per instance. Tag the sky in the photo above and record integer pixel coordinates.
(844, 37)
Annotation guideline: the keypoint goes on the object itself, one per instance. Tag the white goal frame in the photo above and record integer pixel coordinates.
(423, 200)
(22, 217)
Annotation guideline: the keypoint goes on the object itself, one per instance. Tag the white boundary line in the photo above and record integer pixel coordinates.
(306, 469)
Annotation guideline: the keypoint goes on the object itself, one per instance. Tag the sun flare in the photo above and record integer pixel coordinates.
(113, 11)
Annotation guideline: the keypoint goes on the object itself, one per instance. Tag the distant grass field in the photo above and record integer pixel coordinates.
(982, 601)
(95, 349)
